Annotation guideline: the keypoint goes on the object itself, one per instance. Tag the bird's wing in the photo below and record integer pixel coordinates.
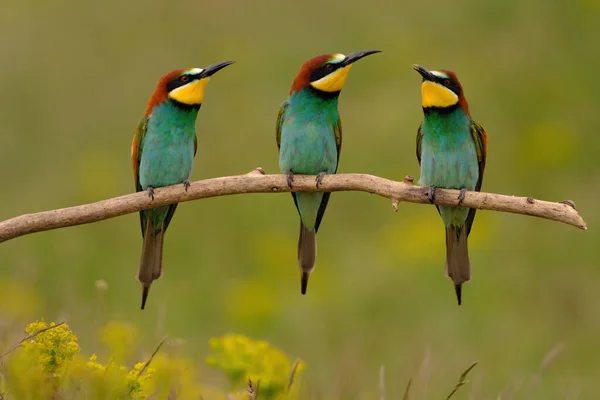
(480, 138)
(136, 150)
(337, 129)
(280, 117)
(169, 216)
(136, 156)
(419, 139)
(195, 145)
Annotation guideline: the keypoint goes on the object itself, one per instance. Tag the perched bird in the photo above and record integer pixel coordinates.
(451, 150)
(309, 138)
(163, 151)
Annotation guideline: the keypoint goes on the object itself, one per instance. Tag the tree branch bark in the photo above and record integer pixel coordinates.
(257, 182)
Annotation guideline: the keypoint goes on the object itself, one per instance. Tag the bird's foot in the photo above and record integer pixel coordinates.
(186, 185)
(150, 191)
(319, 178)
(290, 178)
(430, 194)
(461, 195)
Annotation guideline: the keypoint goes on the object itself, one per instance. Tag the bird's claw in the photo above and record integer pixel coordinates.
(150, 191)
(461, 195)
(186, 185)
(290, 178)
(431, 194)
(319, 178)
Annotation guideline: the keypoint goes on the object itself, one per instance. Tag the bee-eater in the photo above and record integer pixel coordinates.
(451, 150)
(163, 151)
(309, 138)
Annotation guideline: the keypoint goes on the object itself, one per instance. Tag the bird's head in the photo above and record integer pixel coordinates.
(441, 89)
(327, 73)
(184, 86)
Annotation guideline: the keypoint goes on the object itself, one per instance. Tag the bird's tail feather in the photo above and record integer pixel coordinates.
(457, 266)
(307, 253)
(151, 261)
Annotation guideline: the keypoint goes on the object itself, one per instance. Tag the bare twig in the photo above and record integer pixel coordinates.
(257, 182)
(253, 390)
(293, 374)
(151, 357)
(462, 380)
(407, 391)
(29, 337)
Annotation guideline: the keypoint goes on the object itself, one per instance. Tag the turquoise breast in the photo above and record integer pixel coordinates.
(307, 144)
(449, 158)
(448, 152)
(168, 146)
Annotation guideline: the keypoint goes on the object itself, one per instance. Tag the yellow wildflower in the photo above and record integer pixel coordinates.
(52, 347)
(242, 358)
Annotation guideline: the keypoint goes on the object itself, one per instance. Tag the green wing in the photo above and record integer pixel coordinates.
(136, 156)
(136, 150)
(279, 124)
(337, 129)
(480, 138)
(419, 140)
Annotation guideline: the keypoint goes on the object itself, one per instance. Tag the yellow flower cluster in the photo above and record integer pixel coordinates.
(243, 359)
(51, 347)
(48, 365)
(115, 381)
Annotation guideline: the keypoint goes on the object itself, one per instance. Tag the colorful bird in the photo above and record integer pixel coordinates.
(451, 150)
(163, 151)
(309, 138)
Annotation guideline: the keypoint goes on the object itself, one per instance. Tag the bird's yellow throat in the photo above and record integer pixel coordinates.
(333, 82)
(191, 94)
(435, 95)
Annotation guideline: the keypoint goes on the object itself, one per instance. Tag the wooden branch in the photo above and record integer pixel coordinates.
(257, 182)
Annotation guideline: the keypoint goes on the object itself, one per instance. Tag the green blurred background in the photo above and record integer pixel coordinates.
(75, 78)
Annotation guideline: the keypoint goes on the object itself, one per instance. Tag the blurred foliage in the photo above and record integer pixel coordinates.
(48, 365)
(76, 76)
(245, 360)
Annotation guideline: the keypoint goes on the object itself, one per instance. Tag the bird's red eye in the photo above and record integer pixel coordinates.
(329, 67)
(184, 78)
(447, 82)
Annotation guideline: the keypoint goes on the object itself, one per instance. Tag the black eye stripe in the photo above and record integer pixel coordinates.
(324, 70)
(449, 83)
(180, 81)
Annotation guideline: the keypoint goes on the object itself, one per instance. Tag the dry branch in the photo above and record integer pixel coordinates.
(151, 358)
(462, 380)
(257, 182)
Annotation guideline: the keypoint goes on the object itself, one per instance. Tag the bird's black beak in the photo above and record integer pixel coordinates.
(211, 69)
(357, 55)
(427, 76)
